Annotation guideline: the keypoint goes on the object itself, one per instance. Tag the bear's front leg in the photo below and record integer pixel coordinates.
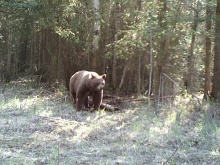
(87, 102)
(97, 99)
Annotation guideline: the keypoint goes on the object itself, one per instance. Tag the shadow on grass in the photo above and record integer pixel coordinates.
(195, 134)
(41, 127)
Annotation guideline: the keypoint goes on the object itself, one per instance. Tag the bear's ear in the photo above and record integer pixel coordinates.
(104, 76)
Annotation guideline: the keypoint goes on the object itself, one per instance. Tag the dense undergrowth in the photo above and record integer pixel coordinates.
(39, 126)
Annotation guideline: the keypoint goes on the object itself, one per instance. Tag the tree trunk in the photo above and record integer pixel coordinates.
(139, 74)
(151, 70)
(96, 37)
(191, 58)
(7, 75)
(216, 71)
(162, 52)
(123, 77)
(208, 56)
(114, 77)
(139, 55)
(23, 55)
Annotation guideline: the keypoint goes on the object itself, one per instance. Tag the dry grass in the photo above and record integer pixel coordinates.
(41, 127)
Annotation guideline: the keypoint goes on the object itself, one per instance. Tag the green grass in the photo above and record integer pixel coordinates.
(41, 127)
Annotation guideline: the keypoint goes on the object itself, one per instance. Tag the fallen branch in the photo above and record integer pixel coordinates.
(170, 157)
(151, 98)
(108, 107)
(105, 106)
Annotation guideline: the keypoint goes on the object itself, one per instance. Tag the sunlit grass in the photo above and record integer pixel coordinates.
(38, 128)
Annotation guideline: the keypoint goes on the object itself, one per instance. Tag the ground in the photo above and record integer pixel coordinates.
(39, 126)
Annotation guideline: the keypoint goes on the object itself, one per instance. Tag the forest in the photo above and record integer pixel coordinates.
(162, 61)
(133, 42)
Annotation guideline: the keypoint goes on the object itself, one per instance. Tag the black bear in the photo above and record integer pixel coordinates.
(84, 84)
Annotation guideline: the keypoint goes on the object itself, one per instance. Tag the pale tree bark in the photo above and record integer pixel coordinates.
(123, 77)
(96, 37)
(208, 56)
(216, 71)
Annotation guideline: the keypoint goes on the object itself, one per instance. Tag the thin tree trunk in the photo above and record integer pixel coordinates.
(23, 55)
(216, 71)
(32, 52)
(96, 37)
(58, 60)
(208, 56)
(151, 70)
(162, 52)
(123, 77)
(114, 61)
(191, 59)
(139, 56)
(139, 74)
(8, 62)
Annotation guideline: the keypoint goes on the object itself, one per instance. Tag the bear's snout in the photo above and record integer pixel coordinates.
(100, 86)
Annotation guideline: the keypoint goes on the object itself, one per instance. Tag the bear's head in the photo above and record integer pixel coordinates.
(97, 82)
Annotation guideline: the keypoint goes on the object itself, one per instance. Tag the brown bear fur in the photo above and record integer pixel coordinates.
(85, 83)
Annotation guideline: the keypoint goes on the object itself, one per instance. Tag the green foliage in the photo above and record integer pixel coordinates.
(44, 14)
(126, 29)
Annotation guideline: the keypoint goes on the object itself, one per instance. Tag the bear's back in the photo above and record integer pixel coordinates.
(77, 79)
